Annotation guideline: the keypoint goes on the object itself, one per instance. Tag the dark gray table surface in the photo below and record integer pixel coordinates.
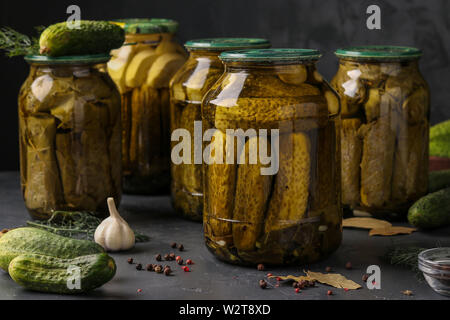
(211, 278)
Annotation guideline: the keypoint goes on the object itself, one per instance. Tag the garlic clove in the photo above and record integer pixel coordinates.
(114, 233)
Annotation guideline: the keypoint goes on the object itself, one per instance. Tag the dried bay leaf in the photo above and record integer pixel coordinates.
(366, 223)
(333, 279)
(294, 278)
(391, 231)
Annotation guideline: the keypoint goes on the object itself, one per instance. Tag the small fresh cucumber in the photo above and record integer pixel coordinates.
(63, 276)
(92, 37)
(431, 211)
(438, 180)
(32, 240)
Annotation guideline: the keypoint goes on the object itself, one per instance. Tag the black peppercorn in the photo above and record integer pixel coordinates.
(328, 269)
(130, 260)
(158, 257)
(262, 284)
(295, 284)
(173, 245)
(260, 267)
(167, 271)
(172, 256)
(166, 257)
(158, 269)
(180, 261)
(181, 247)
(149, 267)
(348, 265)
(139, 267)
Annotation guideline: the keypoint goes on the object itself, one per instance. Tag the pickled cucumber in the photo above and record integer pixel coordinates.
(351, 148)
(289, 201)
(220, 191)
(252, 195)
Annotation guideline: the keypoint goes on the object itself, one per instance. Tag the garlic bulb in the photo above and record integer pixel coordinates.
(114, 233)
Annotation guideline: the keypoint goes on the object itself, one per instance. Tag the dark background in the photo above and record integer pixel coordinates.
(321, 24)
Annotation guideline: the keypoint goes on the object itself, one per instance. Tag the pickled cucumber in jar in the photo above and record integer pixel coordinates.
(187, 88)
(70, 136)
(142, 69)
(384, 133)
(272, 159)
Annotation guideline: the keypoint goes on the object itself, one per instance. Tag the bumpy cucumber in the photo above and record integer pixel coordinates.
(64, 276)
(431, 211)
(32, 240)
(93, 37)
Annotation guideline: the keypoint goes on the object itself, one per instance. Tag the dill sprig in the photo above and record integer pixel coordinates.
(75, 224)
(15, 43)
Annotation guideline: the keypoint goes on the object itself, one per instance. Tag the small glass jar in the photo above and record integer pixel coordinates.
(435, 265)
(188, 87)
(385, 129)
(70, 135)
(279, 209)
(142, 69)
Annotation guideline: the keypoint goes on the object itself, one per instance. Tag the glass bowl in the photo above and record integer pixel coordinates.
(435, 265)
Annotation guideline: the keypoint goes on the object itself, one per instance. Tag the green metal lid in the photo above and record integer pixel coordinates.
(68, 60)
(379, 52)
(220, 44)
(148, 26)
(271, 55)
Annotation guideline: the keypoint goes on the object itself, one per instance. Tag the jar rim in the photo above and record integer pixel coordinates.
(147, 25)
(381, 52)
(271, 55)
(220, 44)
(68, 60)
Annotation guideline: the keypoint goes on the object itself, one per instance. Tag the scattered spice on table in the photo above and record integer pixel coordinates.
(329, 292)
(297, 290)
(158, 269)
(348, 265)
(149, 267)
(408, 293)
(139, 267)
(158, 257)
(173, 245)
(260, 267)
(181, 247)
(130, 260)
(263, 284)
(365, 277)
(180, 261)
(328, 269)
(189, 262)
(166, 257)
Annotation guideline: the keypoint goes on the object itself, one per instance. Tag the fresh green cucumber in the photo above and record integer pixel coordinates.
(32, 240)
(93, 37)
(63, 276)
(438, 180)
(431, 211)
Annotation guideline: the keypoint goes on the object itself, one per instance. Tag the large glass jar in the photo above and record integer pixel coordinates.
(70, 135)
(385, 125)
(279, 209)
(188, 87)
(142, 69)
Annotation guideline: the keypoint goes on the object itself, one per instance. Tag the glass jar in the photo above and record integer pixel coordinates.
(385, 129)
(70, 135)
(188, 87)
(142, 69)
(279, 209)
